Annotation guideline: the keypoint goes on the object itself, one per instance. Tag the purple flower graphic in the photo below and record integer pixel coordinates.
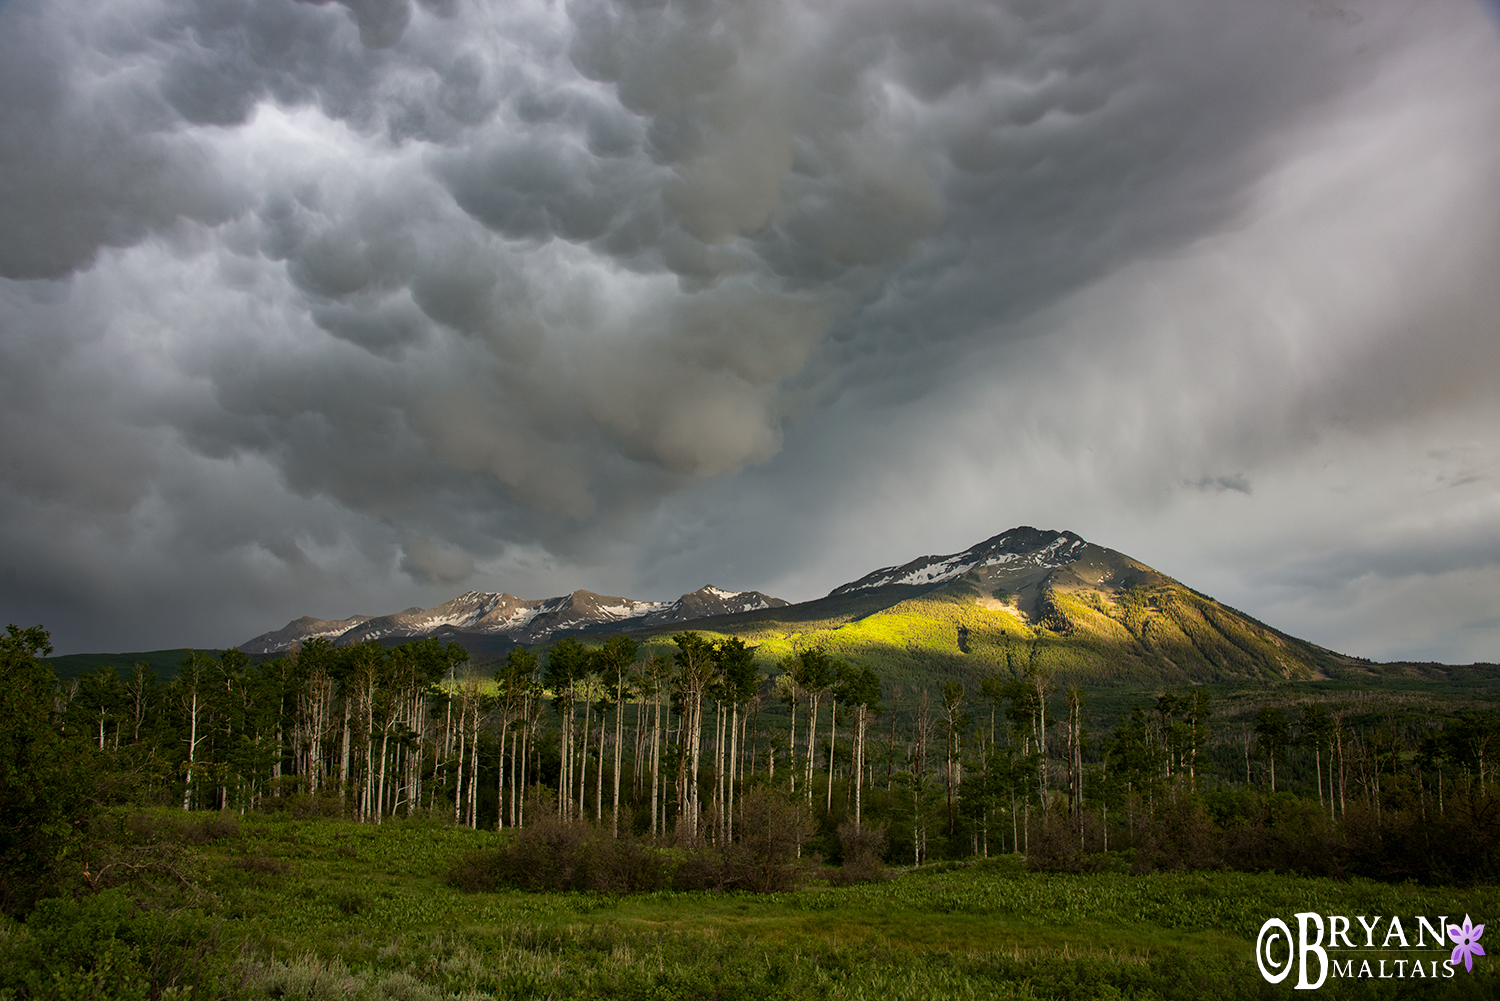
(1468, 945)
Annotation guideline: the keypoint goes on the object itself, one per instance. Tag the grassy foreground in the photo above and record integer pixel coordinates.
(330, 909)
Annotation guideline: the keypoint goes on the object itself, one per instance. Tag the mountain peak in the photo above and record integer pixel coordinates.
(1020, 548)
(709, 601)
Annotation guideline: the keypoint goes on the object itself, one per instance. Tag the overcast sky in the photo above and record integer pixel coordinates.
(336, 308)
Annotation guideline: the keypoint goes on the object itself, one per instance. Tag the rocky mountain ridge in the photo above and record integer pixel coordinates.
(1027, 596)
(503, 616)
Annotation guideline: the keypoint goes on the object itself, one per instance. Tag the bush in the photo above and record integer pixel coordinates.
(107, 946)
(350, 901)
(305, 979)
(702, 869)
(555, 854)
(308, 806)
(1179, 835)
(1283, 834)
(180, 828)
(864, 854)
(142, 851)
(264, 865)
(766, 858)
(1056, 847)
(47, 784)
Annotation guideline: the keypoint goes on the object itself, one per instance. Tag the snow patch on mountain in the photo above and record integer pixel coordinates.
(1020, 547)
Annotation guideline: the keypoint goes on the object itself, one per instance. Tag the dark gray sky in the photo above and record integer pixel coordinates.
(325, 308)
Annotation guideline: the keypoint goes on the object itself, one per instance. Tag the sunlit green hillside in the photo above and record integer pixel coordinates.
(1159, 633)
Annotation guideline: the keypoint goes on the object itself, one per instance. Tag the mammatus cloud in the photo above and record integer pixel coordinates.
(362, 302)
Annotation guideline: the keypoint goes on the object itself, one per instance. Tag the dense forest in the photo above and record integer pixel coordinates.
(666, 747)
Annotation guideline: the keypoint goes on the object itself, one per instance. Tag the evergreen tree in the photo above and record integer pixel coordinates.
(44, 783)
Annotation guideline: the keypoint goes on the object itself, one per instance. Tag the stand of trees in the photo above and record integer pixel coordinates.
(669, 746)
(373, 732)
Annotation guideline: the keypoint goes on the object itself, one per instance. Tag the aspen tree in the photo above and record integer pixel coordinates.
(617, 657)
(695, 672)
(565, 669)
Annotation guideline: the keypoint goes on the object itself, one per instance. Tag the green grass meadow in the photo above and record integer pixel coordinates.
(332, 909)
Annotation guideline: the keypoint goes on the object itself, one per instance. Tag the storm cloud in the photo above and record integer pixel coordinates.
(324, 308)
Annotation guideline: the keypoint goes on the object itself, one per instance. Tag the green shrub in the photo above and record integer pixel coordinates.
(306, 978)
(107, 946)
(350, 901)
(863, 854)
(767, 858)
(263, 865)
(179, 828)
(556, 854)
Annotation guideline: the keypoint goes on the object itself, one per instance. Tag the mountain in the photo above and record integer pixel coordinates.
(1025, 598)
(301, 630)
(487, 623)
(1032, 597)
(1010, 556)
(710, 601)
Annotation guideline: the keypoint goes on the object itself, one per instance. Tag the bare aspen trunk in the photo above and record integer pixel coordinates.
(812, 744)
(655, 762)
(833, 720)
(619, 741)
(500, 776)
(187, 793)
(369, 747)
(458, 787)
(695, 741)
(719, 770)
(599, 779)
(509, 808)
(447, 748)
(530, 720)
(1041, 730)
(792, 753)
(1318, 770)
(385, 738)
(474, 768)
(344, 762)
(416, 784)
(682, 763)
(1014, 830)
(859, 762)
(734, 747)
(565, 763)
(698, 757)
(583, 760)
(314, 735)
(636, 778)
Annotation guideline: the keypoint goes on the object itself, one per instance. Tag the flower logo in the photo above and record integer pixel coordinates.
(1467, 939)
